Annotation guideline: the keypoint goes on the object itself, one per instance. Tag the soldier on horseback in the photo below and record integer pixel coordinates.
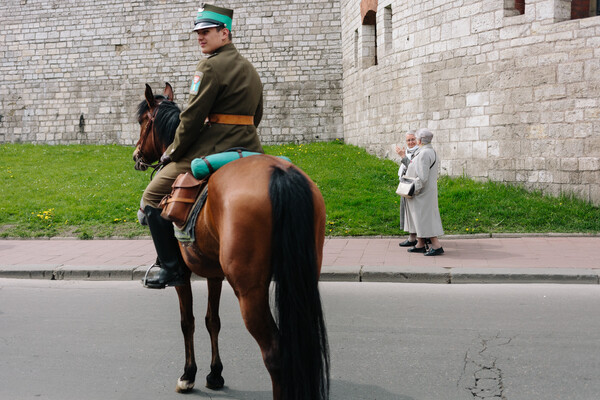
(224, 108)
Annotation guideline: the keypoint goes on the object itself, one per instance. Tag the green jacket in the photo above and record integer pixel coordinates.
(224, 83)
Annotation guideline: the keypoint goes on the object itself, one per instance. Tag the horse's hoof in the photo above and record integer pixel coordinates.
(184, 386)
(214, 382)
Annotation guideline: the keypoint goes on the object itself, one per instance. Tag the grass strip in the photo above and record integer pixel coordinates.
(91, 191)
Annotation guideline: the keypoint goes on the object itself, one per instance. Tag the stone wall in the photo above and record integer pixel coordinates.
(73, 71)
(510, 97)
(511, 88)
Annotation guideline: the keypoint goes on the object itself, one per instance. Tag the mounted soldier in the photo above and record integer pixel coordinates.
(224, 109)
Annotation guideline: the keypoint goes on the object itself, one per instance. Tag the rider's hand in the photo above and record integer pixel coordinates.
(165, 159)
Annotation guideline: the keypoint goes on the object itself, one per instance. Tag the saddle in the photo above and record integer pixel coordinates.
(178, 205)
(189, 191)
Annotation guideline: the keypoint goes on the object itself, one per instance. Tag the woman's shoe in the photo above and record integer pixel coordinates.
(417, 249)
(407, 243)
(434, 252)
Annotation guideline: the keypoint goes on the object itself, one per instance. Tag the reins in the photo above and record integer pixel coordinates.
(156, 167)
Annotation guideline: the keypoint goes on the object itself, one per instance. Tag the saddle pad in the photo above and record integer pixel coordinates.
(201, 167)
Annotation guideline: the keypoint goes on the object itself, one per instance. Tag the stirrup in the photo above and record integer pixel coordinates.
(145, 280)
(177, 279)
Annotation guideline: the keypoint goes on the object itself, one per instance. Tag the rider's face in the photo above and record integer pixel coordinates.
(211, 40)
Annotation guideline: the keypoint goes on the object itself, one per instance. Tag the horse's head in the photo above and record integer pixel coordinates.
(158, 117)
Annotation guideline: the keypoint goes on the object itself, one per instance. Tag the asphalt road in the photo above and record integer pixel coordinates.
(68, 340)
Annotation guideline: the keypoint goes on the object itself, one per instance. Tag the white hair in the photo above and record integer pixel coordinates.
(424, 135)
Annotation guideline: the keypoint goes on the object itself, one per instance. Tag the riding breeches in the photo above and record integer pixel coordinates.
(160, 186)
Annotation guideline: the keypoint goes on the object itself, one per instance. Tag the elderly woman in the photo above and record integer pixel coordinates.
(406, 155)
(422, 212)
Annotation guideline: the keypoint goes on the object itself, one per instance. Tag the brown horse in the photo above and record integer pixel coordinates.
(264, 220)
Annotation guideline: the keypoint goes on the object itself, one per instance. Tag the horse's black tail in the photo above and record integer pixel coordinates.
(303, 347)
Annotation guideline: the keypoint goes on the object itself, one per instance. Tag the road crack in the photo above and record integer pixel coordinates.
(481, 376)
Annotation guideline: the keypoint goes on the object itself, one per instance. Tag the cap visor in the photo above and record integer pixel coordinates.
(205, 25)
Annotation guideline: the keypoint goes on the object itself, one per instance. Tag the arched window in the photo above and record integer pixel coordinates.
(368, 16)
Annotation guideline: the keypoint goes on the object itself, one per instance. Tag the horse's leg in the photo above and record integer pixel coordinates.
(214, 380)
(259, 321)
(186, 382)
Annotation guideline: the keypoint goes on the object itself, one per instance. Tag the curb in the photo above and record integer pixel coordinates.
(499, 235)
(400, 274)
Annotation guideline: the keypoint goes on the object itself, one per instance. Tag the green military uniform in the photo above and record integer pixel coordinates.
(225, 83)
(224, 109)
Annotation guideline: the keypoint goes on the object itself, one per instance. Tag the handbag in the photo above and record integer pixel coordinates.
(406, 187)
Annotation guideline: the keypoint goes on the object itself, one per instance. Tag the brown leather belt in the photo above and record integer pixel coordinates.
(230, 119)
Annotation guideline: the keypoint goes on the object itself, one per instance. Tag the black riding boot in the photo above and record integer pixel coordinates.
(171, 264)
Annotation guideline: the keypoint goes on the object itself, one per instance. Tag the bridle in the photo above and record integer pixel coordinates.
(149, 130)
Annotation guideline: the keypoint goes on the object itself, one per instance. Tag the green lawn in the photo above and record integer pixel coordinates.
(93, 191)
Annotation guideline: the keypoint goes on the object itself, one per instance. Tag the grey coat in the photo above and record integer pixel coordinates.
(401, 172)
(422, 211)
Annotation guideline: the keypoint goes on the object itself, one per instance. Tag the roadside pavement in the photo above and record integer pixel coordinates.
(501, 258)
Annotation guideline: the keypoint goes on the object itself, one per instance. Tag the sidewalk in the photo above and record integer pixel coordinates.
(471, 259)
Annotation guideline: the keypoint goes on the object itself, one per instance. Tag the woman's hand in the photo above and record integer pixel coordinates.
(401, 152)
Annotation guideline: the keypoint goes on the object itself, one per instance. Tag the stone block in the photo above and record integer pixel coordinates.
(550, 92)
(477, 99)
(569, 164)
(482, 120)
(589, 164)
(571, 72)
(480, 150)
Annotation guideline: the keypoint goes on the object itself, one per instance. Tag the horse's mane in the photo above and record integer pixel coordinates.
(167, 118)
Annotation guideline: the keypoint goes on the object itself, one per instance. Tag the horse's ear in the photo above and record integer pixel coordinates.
(168, 91)
(150, 97)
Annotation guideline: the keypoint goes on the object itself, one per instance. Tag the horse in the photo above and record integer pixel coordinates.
(263, 221)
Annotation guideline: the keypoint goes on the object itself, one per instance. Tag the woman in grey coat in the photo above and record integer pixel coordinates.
(406, 155)
(422, 211)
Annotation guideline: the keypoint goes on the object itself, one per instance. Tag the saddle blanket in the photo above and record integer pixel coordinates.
(201, 167)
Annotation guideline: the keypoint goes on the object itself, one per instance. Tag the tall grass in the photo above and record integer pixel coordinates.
(93, 191)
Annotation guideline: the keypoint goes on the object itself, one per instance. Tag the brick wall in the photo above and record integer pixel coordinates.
(509, 97)
(73, 71)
